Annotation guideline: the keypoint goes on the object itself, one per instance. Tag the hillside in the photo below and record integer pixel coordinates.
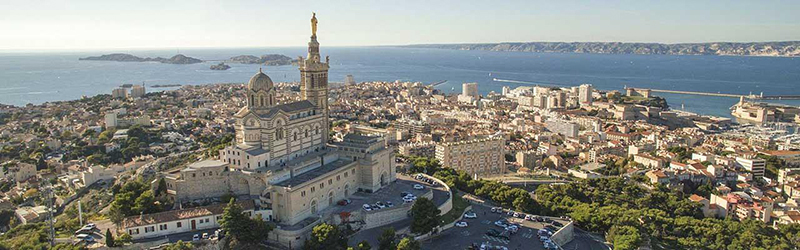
(120, 57)
(269, 59)
(786, 49)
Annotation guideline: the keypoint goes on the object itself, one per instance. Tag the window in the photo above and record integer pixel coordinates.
(312, 189)
(178, 224)
(339, 177)
(206, 220)
(303, 194)
(330, 181)
(194, 175)
(345, 174)
(162, 227)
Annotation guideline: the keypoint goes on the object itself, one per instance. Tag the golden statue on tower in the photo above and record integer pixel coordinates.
(313, 24)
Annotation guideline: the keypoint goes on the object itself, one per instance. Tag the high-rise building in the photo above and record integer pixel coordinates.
(119, 93)
(565, 128)
(137, 91)
(481, 157)
(470, 89)
(585, 94)
(756, 166)
(348, 80)
(506, 90)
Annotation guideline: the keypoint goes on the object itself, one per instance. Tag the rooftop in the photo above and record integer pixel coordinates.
(313, 174)
(173, 215)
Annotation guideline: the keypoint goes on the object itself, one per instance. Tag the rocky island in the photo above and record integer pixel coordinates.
(785, 49)
(269, 59)
(220, 66)
(120, 57)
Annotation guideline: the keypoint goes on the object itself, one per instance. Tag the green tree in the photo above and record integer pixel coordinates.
(363, 245)
(109, 238)
(408, 243)
(240, 228)
(425, 216)
(180, 245)
(162, 187)
(548, 163)
(326, 236)
(123, 239)
(146, 203)
(386, 239)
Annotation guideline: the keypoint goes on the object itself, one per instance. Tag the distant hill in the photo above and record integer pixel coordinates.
(787, 49)
(269, 59)
(120, 57)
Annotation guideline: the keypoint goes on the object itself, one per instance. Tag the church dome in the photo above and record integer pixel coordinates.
(260, 81)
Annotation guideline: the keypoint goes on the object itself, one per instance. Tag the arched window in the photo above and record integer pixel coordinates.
(295, 135)
(252, 100)
(262, 100)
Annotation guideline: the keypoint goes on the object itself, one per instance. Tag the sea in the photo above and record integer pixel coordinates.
(37, 77)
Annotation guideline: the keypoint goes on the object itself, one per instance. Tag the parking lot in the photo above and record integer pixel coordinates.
(390, 193)
(476, 232)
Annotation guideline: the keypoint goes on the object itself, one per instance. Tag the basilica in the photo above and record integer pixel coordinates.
(282, 162)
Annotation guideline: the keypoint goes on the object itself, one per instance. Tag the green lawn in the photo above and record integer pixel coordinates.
(459, 204)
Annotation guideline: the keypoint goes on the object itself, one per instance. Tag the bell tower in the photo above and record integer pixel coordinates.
(314, 77)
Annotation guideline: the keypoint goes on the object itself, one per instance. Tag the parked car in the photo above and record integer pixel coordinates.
(558, 224)
(367, 207)
(380, 205)
(510, 213)
(196, 237)
(516, 214)
(389, 204)
(462, 224)
(493, 232)
(528, 217)
(543, 238)
(501, 223)
(418, 187)
(205, 236)
(470, 215)
(91, 226)
(512, 228)
(404, 194)
(375, 207)
(85, 237)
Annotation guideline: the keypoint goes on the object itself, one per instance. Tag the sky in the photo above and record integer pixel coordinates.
(104, 24)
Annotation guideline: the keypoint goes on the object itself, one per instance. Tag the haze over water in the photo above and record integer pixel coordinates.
(39, 77)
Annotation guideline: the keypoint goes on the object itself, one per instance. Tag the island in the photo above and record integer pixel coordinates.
(269, 60)
(120, 57)
(220, 66)
(781, 49)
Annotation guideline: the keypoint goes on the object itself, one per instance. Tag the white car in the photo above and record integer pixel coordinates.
(196, 237)
(470, 215)
(367, 207)
(462, 224)
(501, 224)
(418, 187)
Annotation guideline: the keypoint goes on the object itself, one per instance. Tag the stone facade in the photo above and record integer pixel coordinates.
(281, 159)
